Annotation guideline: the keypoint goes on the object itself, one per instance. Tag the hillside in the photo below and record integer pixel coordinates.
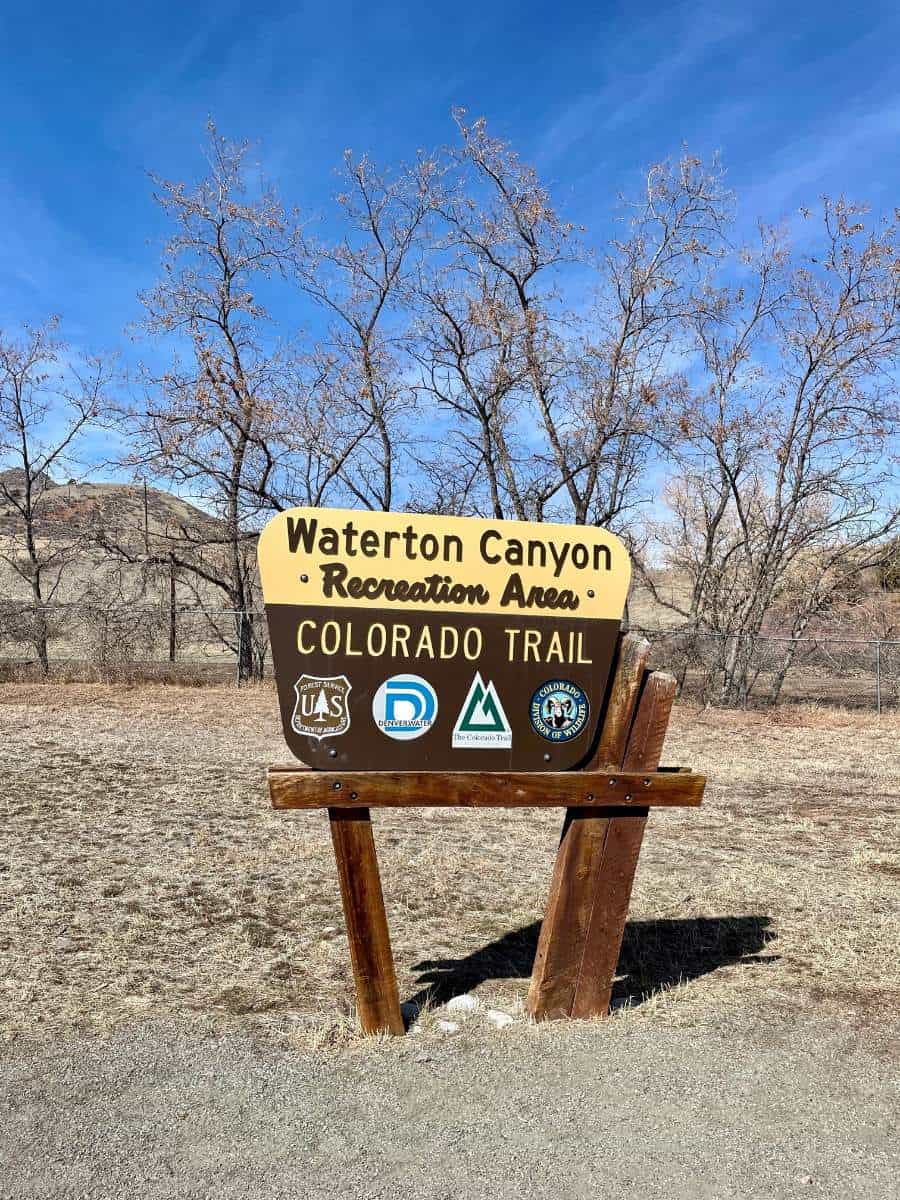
(71, 509)
(71, 518)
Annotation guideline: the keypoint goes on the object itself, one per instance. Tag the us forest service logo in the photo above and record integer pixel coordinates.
(405, 707)
(322, 709)
(559, 710)
(482, 723)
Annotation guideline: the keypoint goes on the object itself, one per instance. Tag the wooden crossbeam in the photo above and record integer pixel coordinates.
(293, 788)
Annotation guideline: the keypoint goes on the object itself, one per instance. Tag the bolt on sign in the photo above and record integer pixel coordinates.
(410, 642)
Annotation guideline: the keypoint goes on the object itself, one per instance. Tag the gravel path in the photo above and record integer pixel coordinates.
(157, 1112)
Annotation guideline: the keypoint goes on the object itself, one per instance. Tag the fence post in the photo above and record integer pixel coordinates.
(172, 613)
(240, 644)
(878, 678)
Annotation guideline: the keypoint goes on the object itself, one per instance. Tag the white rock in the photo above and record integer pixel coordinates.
(498, 1018)
(448, 1026)
(464, 1003)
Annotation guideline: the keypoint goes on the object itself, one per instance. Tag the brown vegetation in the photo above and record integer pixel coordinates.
(143, 874)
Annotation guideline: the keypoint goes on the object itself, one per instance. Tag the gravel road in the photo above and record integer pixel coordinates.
(645, 1111)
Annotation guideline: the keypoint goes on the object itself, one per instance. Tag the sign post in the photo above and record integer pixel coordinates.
(466, 662)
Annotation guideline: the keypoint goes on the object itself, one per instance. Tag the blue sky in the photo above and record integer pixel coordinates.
(801, 98)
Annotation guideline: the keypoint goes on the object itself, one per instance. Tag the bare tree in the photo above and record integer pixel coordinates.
(472, 367)
(358, 397)
(627, 360)
(49, 398)
(211, 421)
(553, 365)
(784, 489)
(495, 316)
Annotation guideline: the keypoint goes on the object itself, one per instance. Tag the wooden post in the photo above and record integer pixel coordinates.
(622, 702)
(618, 862)
(562, 939)
(367, 928)
(171, 607)
(590, 889)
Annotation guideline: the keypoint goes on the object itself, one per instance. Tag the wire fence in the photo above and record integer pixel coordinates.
(767, 669)
(133, 642)
(193, 645)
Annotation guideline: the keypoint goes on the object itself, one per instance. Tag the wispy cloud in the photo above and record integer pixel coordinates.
(830, 159)
(640, 70)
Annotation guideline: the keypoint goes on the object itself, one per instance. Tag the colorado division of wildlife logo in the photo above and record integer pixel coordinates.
(559, 710)
(405, 707)
(322, 709)
(482, 722)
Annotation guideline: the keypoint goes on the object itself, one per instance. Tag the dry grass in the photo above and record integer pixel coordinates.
(142, 873)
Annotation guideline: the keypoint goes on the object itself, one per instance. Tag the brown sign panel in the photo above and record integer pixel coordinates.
(403, 641)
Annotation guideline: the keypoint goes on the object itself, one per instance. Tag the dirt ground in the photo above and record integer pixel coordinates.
(150, 898)
(155, 1112)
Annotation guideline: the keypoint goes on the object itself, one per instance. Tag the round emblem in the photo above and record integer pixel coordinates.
(405, 707)
(559, 710)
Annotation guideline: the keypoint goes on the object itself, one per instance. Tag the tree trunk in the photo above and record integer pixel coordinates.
(246, 662)
(40, 637)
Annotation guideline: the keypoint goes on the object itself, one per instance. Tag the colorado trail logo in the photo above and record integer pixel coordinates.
(322, 709)
(482, 723)
(559, 710)
(404, 707)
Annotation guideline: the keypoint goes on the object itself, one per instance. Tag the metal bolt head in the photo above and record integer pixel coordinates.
(612, 783)
(546, 758)
(354, 795)
(647, 782)
(628, 797)
(590, 593)
(332, 753)
(590, 795)
(337, 785)
(304, 579)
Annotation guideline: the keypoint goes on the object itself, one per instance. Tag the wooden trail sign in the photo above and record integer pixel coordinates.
(606, 805)
(462, 662)
(403, 641)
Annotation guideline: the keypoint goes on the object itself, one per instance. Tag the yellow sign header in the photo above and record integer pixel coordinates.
(344, 558)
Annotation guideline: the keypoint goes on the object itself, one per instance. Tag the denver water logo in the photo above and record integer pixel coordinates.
(405, 707)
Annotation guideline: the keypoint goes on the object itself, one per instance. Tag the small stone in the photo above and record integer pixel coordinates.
(464, 1003)
(448, 1026)
(498, 1018)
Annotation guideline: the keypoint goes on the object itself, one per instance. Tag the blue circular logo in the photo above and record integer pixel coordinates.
(405, 707)
(559, 710)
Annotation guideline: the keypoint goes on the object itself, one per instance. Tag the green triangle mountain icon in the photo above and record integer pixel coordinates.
(482, 721)
(482, 711)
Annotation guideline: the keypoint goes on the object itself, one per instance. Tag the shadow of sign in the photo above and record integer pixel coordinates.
(655, 955)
